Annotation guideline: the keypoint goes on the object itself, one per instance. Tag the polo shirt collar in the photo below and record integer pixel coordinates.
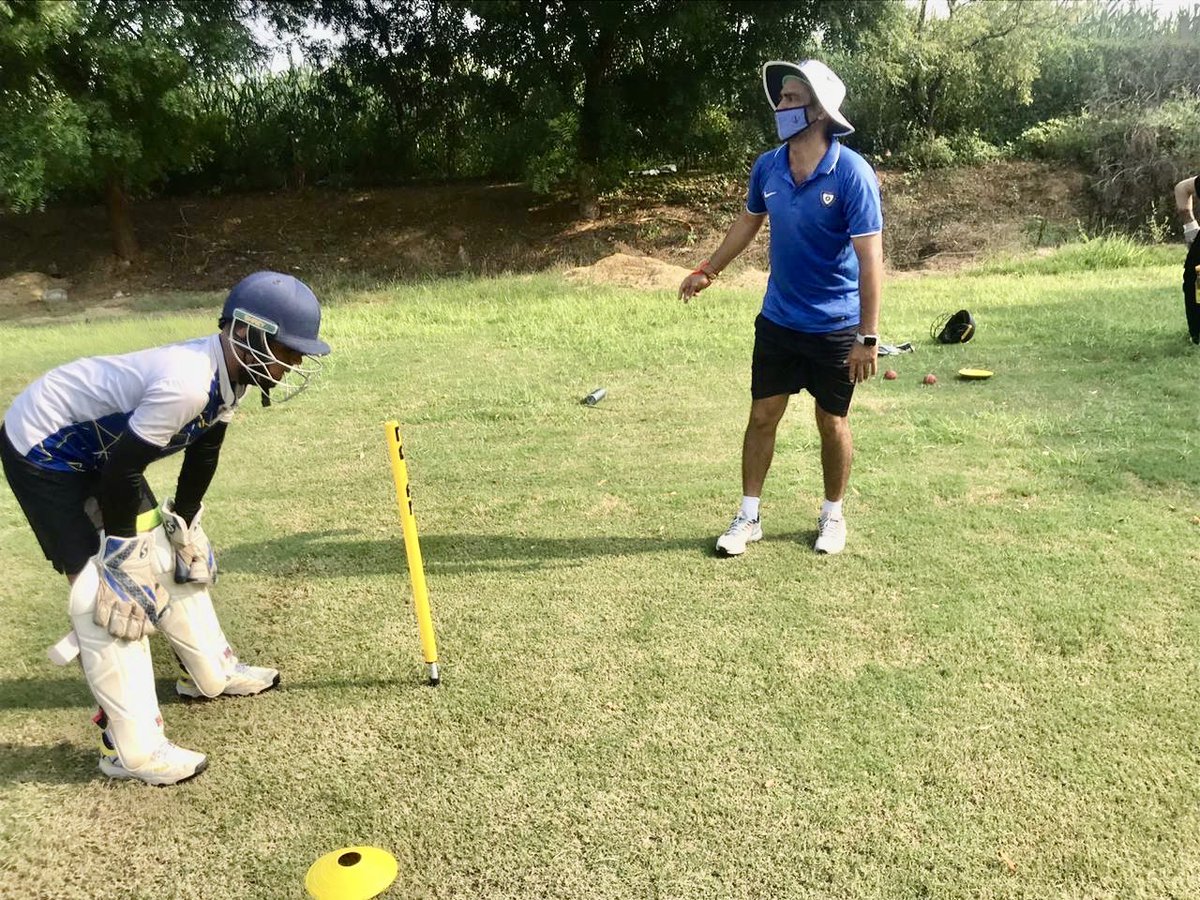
(830, 160)
(827, 164)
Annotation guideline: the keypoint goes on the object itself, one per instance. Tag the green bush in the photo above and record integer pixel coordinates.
(1135, 154)
(940, 152)
(928, 153)
(1062, 139)
(554, 164)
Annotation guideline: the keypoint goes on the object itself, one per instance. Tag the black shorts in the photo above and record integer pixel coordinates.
(788, 361)
(57, 506)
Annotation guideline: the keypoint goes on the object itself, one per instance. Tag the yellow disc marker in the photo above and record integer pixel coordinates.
(974, 374)
(352, 873)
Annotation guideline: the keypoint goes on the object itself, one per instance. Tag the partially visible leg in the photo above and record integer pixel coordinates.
(758, 447)
(118, 672)
(833, 392)
(1191, 308)
(121, 678)
(837, 450)
(758, 443)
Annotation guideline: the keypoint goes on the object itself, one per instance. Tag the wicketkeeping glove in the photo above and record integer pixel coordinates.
(194, 557)
(129, 597)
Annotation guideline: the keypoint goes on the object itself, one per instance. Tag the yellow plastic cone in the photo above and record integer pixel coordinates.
(352, 873)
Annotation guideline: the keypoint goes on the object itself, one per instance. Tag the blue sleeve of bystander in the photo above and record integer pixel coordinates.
(756, 204)
(860, 195)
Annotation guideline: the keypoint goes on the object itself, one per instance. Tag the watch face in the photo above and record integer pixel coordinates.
(869, 340)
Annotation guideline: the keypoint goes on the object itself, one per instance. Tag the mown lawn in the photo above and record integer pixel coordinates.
(992, 693)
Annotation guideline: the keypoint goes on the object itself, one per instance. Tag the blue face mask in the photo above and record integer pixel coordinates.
(790, 122)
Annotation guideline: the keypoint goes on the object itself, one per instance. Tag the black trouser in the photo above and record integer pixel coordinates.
(1190, 308)
(55, 503)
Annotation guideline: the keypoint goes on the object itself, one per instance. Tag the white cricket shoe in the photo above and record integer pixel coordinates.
(169, 764)
(244, 682)
(741, 531)
(831, 534)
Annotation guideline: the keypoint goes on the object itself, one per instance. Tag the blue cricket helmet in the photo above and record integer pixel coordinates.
(283, 307)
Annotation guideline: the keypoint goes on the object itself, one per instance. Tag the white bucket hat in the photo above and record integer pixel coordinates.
(827, 88)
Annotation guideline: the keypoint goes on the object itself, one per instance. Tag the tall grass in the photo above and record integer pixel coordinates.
(1092, 254)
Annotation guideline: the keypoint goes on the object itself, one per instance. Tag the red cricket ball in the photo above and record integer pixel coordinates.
(930, 379)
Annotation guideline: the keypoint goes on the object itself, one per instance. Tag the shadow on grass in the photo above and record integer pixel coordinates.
(417, 680)
(60, 693)
(55, 764)
(335, 553)
(46, 693)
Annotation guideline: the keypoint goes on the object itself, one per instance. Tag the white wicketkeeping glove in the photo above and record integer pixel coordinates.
(1189, 231)
(194, 557)
(129, 597)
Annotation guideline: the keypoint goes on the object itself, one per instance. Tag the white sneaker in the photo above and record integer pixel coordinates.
(169, 764)
(244, 682)
(831, 537)
(741, 532)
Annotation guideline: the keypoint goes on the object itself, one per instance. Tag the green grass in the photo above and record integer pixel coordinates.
(992, 693)
(1091, 254)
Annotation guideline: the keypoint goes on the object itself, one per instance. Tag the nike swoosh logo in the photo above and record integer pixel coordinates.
(771, 194)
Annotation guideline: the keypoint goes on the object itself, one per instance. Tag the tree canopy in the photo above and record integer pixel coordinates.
(113, 98)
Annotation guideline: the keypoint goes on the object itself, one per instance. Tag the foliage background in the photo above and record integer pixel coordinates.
(117, 98)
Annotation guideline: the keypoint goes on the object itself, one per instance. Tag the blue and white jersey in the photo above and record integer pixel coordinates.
(168, 396)
(813, 286)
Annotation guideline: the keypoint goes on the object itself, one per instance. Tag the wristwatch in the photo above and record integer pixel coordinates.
(867, 340)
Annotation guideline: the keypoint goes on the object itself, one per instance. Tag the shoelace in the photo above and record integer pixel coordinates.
(824, 522)
(739, 522)
(165, 749)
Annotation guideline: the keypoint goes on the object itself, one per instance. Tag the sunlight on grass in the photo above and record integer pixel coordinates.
(992, 693)
(1092, 254)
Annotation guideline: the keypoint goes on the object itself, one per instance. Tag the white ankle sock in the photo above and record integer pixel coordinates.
(749, 508)
(832, 508)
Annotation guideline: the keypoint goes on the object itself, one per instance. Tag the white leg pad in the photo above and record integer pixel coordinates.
(120, 676)
(190, 623)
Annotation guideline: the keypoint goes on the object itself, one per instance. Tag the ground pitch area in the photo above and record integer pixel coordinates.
(991, 693)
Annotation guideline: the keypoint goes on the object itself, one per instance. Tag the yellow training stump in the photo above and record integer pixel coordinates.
(412, 547)
(352, 873)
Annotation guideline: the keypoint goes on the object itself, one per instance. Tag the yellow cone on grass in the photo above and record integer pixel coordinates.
(352, 873)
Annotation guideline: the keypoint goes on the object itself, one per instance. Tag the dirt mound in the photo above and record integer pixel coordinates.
(644, 272)
(648, 273)
(31, 290)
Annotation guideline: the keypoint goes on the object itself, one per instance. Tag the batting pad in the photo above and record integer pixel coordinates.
(120, 676)
(190, 624)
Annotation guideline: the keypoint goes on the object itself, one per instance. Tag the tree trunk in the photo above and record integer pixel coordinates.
(120, 222)
(593, 124)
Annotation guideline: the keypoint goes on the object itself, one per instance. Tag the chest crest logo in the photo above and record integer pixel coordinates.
(827, 198)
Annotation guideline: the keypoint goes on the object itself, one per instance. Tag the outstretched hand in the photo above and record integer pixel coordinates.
(692, 285)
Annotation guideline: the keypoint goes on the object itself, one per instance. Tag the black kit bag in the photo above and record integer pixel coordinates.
(953, 328)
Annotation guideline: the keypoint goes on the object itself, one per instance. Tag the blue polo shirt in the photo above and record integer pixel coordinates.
(814, 270)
